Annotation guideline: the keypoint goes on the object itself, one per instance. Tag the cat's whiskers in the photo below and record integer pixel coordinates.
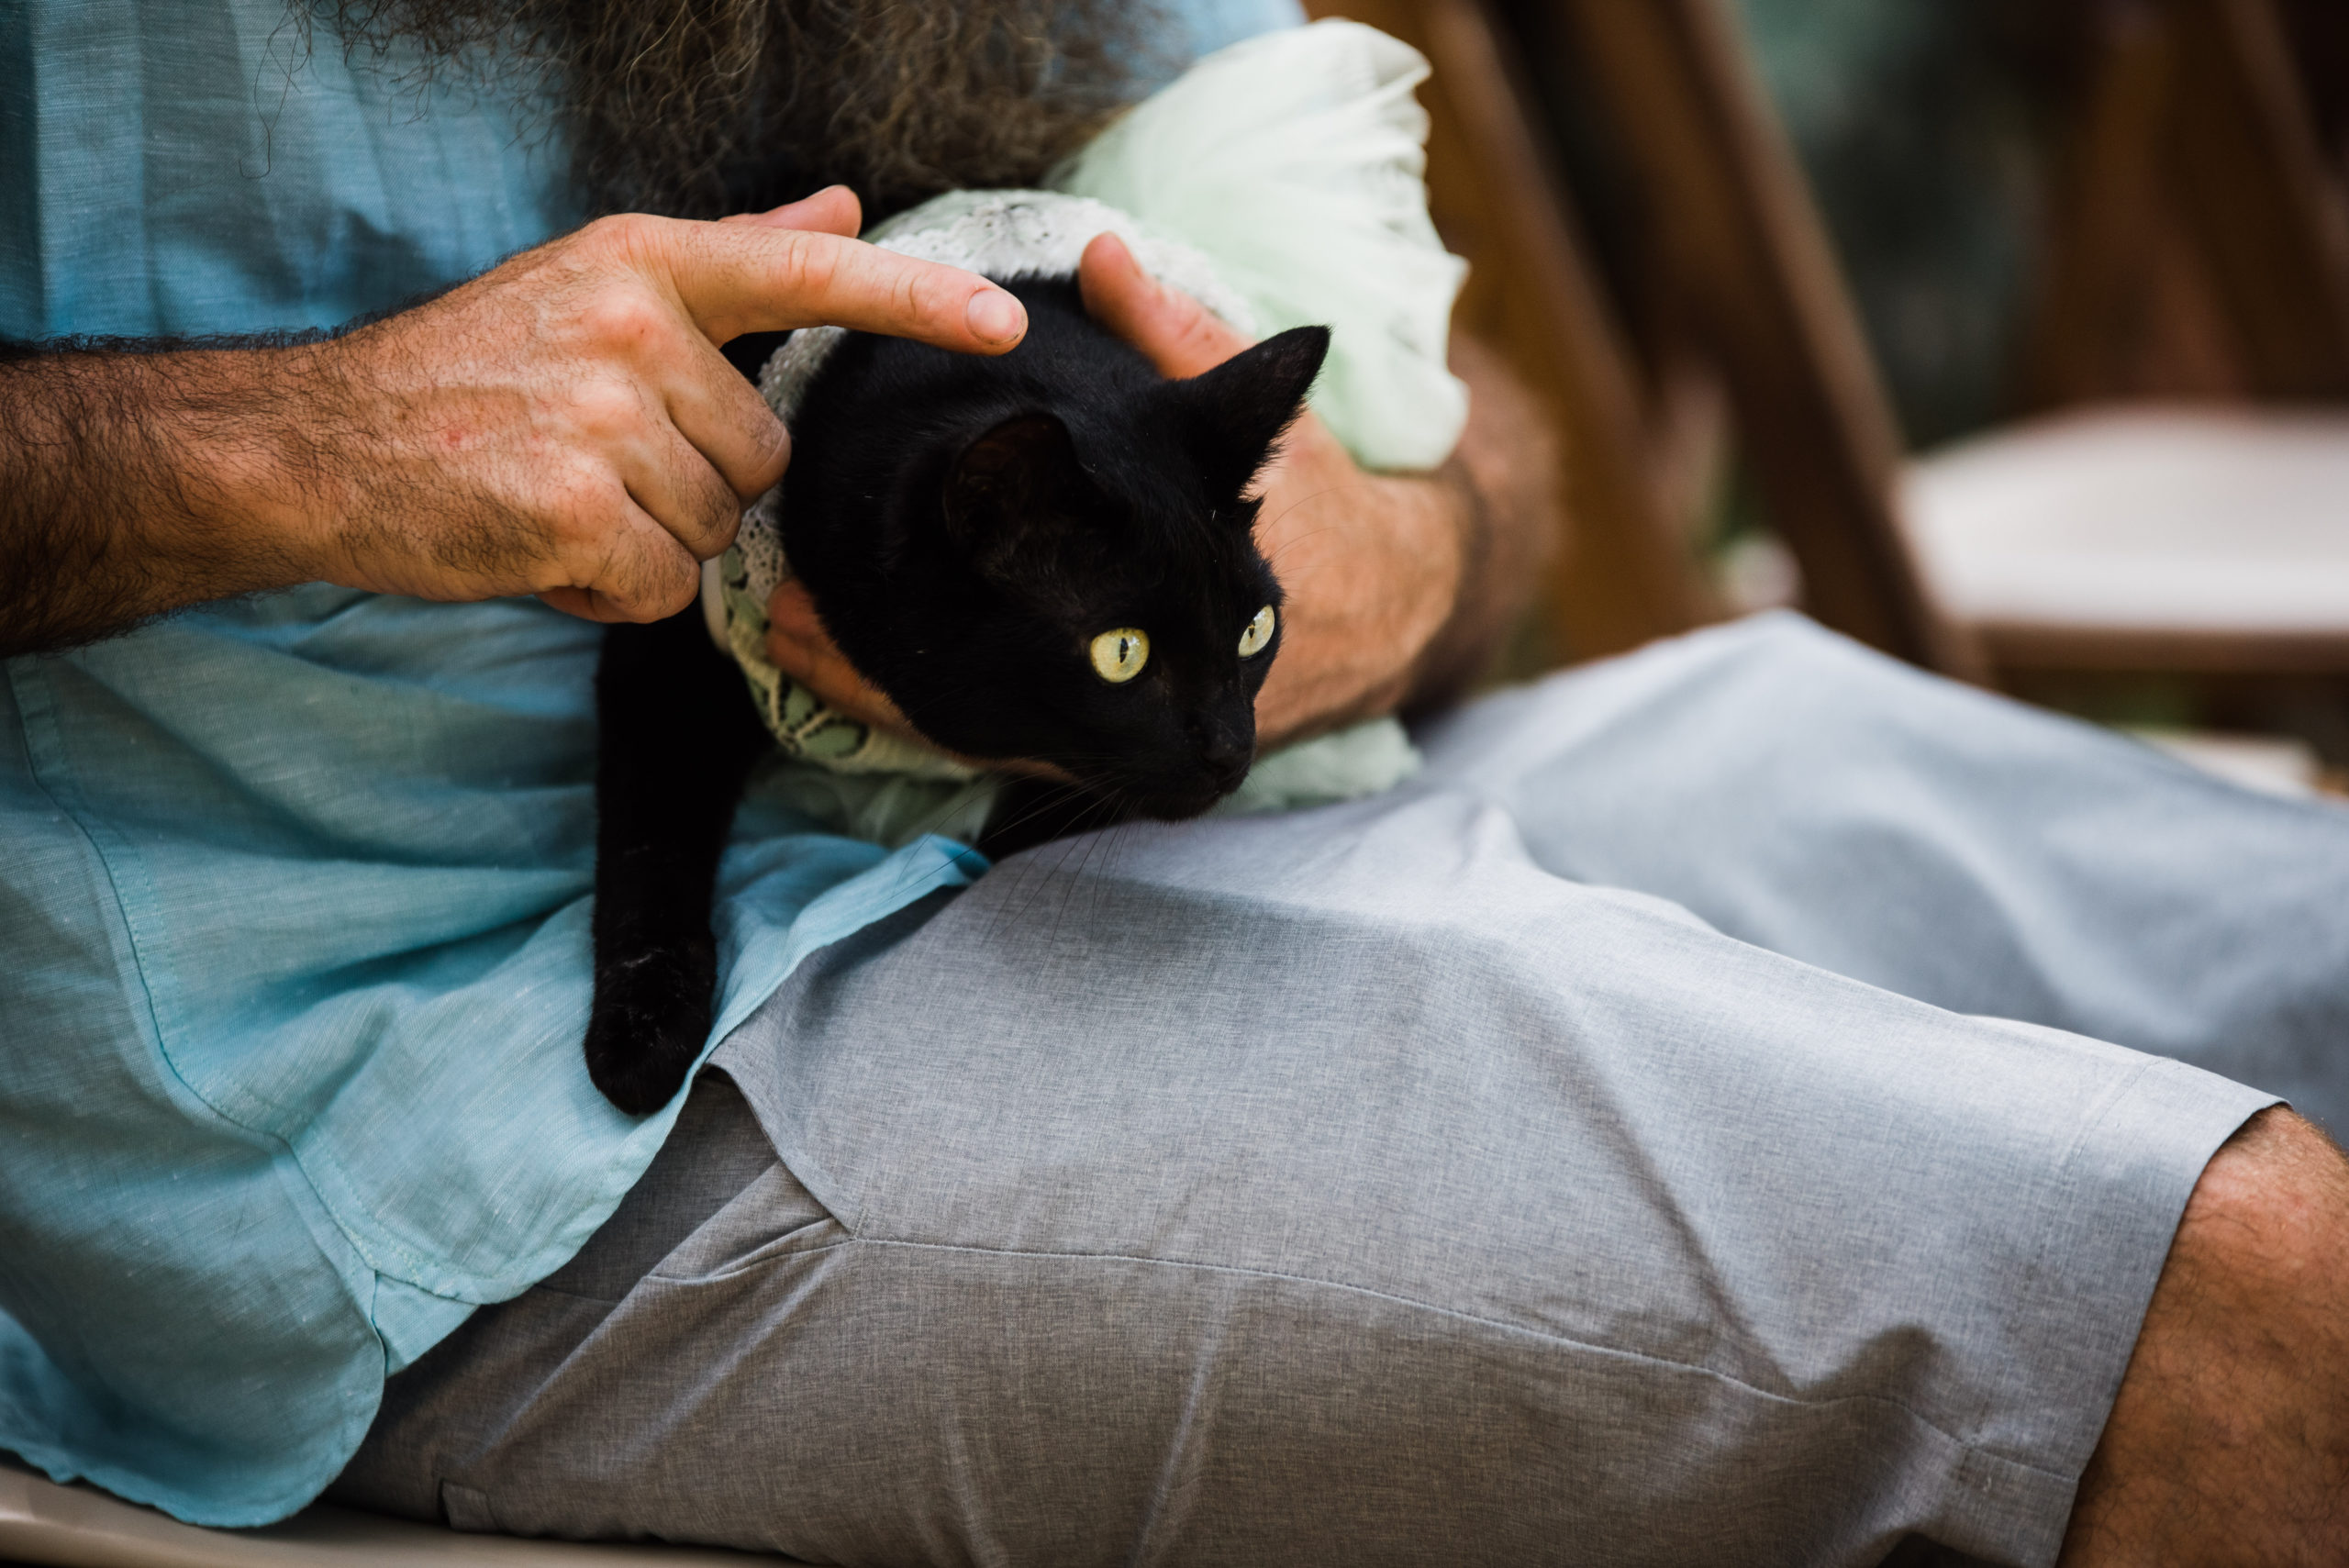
(1312, 495)
(1083, 844)
(1034, 877)
(1273, 560)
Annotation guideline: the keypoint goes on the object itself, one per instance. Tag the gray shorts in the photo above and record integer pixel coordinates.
(1597, 1151)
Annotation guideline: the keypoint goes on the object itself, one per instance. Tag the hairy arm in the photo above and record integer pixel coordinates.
(126, 485)
(1503, 484)
(562, 424)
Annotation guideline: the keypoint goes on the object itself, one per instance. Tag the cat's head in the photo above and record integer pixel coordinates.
(1097, 600)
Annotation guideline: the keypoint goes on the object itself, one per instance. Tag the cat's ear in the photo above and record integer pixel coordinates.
(1019, 484)
(1236, 411)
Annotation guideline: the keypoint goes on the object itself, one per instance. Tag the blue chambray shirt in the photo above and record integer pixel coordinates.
(295, 890)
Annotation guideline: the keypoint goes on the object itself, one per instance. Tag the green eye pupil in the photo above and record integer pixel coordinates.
(1259, 632)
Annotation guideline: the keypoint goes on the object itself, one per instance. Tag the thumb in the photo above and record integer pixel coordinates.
(1175, 332)
(798, 645)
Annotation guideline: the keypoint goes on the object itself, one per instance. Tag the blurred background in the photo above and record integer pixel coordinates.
(2009, 336)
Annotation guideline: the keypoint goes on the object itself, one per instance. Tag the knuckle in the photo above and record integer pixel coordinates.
(720, 505)
(606, 408)
(713, 513)
(582, 510)
(771, 456)
(809, 268)
(667, 578)
(623, 317)
(723, 526)
(624, 233)
(915, 295)
(757, 444)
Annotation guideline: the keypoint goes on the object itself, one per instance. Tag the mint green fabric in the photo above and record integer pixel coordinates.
(293, 890)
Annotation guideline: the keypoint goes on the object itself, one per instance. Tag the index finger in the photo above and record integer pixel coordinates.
(734, 278)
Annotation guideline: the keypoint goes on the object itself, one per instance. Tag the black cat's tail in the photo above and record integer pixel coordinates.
(678, 737)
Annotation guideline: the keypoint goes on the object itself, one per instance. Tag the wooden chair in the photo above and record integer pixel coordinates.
(2201, 245)
(2045, 546)
(80, 1527)
(1639, 419)
(2200, 273)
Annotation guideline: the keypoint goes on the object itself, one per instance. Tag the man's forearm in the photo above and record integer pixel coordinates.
(1408, 585)
(562, 424)
(1503, 483)
(133, 483)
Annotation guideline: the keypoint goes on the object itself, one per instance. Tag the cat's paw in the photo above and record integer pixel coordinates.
(650, 1018)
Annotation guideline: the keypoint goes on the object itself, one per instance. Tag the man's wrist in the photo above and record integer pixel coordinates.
(1375, 565)
(137, 481)
(1450, 661)
(1504, 482)
(256, 491)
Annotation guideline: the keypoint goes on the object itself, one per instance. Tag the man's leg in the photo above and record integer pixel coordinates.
(1286, 1190)
(1799, 792)
(2229, 1443)
(1806, 794)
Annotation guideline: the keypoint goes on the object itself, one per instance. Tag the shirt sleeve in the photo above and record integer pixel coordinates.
(1206, 26)
(1191, 29)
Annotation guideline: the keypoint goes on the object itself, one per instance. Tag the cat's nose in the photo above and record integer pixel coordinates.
(1226, 757)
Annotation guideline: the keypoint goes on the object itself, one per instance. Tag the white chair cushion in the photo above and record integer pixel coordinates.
(2210, 521)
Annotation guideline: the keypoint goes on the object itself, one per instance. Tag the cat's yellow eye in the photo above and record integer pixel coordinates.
(1119, 656)
(1259, 632)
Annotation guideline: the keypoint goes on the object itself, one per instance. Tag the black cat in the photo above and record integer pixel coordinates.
(1046, 555)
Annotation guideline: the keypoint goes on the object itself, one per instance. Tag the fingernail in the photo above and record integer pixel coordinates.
(994, 316)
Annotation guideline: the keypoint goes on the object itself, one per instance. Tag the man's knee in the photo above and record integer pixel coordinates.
(2228, 1442)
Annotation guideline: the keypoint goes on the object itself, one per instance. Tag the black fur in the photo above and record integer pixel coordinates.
(966, 526)
(677, 740)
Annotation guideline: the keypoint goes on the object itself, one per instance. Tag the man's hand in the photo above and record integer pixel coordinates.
(1373, 565)
(562, 424)
(566, 426)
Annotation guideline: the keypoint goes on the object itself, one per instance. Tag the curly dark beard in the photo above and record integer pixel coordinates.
(695, 108)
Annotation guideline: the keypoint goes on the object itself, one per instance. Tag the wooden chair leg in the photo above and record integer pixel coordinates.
(1744, 246)
(2254, 188)
(2199, 245)
(2124, 304)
